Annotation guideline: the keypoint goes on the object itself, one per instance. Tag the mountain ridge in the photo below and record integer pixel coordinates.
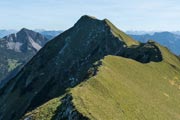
(25, 40)
(168, 39)
(70, 59)
(16, 50)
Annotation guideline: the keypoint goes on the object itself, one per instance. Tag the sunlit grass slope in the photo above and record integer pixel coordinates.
(12, 64)
(125, 89)
(45, 111)
(120, 34)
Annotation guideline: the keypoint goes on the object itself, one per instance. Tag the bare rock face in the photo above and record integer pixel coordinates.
(64, 62)
(67, 111)
(25, 40)
(144, 53)
(16, 50)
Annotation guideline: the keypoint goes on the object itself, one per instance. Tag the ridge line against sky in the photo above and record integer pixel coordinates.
(157, 15)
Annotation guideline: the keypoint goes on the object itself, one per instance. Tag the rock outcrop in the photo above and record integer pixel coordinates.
(65, 61)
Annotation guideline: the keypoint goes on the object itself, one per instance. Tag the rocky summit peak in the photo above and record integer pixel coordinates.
(25, 40)
(93, 24)
(86, 20)
(25, 30)
(74, 55)
(88, 17)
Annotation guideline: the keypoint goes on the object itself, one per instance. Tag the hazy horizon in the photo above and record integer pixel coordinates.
(137, 15)
(44, 29)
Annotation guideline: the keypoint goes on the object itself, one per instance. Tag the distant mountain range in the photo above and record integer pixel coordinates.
(139, 32)
(94, 71)
(50, 34)
(6, 32)
(176, 32)
(47, 33)
(17, 49)
(168, 39)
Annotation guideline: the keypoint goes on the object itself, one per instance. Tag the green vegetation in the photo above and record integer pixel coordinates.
(130, 90)
(12, 64)
(10, 60)
(16, 51)
(45, 111)
(126, 89)
(100, 86)
(118, 33)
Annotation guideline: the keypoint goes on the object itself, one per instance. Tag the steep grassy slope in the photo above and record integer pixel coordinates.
(128, 90)
(64, 62)
(120, 34)
(73, 58)
(45, 112)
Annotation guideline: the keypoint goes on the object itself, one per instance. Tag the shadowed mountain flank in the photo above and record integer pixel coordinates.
(65, 62)
(144, 53)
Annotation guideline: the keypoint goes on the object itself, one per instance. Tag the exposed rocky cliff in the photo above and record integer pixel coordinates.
(16, 50)
(65, 62)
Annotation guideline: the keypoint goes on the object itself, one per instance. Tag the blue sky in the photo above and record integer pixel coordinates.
(61, 14)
